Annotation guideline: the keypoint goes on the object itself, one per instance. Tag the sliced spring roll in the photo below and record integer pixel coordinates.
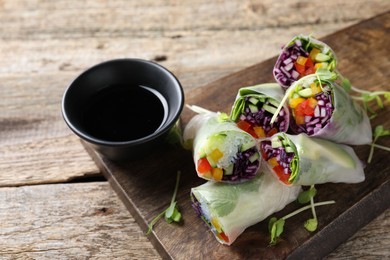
(221, 151)
(301, 160)
(302, 56)
(321, 108)
(228, 209)
(254, 107)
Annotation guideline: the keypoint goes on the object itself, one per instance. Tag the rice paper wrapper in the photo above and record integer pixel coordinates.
(207, 132)
(267, 90)
(234, 207)
(286, 78)
(349, 123)
(321, 161)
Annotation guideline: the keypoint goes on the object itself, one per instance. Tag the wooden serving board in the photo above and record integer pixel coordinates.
(146, 185)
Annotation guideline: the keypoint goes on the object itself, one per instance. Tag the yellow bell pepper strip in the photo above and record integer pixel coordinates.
(217, 174)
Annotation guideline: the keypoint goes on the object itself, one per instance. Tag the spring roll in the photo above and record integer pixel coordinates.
(321, 108)
(221, 151)
(254, 107)
(302, 56)
(228, 209)
(301, 160)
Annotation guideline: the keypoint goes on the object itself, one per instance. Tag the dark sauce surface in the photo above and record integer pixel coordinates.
(124, 113)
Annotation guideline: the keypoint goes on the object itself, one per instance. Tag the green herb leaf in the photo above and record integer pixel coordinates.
(379, 102)
(169, 212)
(346, 84)
(367, 97)
(311, 224)
(380, 131)
(306, 195)
(176, 216)
(387, 96)
(223, 117)
(271, 223)
(276, 227)
(223, 199)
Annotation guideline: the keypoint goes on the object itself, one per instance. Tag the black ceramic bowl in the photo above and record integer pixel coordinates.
(128, 73)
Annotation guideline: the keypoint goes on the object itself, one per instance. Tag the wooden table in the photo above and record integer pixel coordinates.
(54, 202)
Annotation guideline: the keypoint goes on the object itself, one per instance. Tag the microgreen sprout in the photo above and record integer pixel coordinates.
(311, 224)
(172, 213)
(378, 132)
(276, 226)
(365, 96)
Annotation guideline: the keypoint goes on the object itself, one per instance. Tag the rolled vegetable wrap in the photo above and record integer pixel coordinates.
(301, 160)
(228, 209)
(321, 108)
(254, 107)
(222, 151)
(302, 56)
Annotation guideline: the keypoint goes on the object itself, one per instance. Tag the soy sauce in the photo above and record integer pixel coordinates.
(124, 113)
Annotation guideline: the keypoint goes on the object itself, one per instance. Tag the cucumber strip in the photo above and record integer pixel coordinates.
(253, 108)
(253, 100)
(322, 57)
(254, 157)
(273, 102)
(270, 109)
(276, 143)
(307, 92)
(247, 146)
(229, 170)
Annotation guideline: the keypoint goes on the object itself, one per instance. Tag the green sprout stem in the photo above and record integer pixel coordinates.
(286, 95)
(371, 93)
(373, 145)
(381, 147)
(154, 221)
(171, 207)
(313, 210)
(176, 187)
(308, 207)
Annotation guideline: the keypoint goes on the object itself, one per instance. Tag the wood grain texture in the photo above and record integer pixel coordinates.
(44, 44)
(84, 221)
(357, 204)
(365, 243)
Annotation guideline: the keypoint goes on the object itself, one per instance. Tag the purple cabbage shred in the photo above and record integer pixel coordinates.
(243, 169)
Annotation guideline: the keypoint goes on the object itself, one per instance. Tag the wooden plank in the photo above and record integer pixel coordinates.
(35, 144)
(87, 220)
(365, 243)
(83, 220)
(132, 180)
(44, 45)
(49, 160)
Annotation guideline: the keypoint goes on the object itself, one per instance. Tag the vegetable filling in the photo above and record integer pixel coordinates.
(256, 116)
(243, 167)
(302, 58)
(213, 224)
(279, 153)
(311, 106)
